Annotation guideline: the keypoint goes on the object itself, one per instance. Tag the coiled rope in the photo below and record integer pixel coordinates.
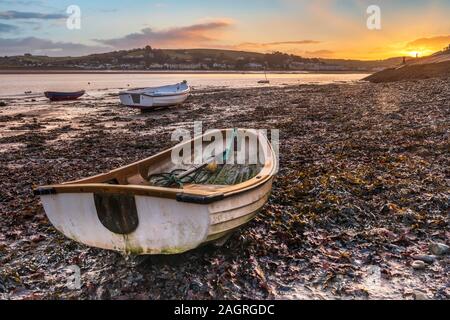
(180, 177)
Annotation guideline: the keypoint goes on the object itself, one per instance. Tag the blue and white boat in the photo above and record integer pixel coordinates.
(156, 97)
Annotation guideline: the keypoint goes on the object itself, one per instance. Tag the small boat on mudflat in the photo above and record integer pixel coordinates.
(266, 81)
(157, 207)
(64, 96)
(155, 97)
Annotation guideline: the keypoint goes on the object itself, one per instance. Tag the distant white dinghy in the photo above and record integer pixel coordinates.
(155, 97)
(157, 207)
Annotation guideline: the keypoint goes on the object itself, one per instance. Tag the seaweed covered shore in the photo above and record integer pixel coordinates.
(359, 209)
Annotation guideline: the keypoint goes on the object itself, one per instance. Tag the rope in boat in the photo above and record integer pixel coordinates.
(178, 176)
(168, 179)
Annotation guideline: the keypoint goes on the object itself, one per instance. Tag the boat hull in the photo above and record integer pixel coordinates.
(148, 102)
(155, 97)
(166, 226)
(63, 96)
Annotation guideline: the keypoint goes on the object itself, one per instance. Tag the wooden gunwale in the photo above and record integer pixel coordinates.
(93, 184)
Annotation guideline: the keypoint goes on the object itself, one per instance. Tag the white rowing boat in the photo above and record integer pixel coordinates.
(155, 97)
(156, 207)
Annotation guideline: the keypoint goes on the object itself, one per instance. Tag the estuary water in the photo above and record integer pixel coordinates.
(18, 84)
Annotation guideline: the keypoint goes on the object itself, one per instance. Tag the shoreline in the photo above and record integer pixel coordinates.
(62, 71)
(412, 72)
(33, 83)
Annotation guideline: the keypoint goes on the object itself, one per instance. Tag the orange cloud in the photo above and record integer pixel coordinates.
(271, 44)
(433, 44)
(285, 46)
(320, 54)
(193, 35)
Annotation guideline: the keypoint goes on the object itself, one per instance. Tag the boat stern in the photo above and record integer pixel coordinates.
(136, 100)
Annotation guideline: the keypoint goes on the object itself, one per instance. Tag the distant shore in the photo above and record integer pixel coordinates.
(72, 71)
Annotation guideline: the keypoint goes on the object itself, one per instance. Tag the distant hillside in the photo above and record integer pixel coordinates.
(374, 65)
(436, 65)
(190, 59)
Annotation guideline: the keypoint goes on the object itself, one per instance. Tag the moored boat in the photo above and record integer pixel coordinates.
(63, 96)
(265, 81)
(155, 97)
(157, 207)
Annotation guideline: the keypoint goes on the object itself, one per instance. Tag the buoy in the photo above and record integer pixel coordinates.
(212, 167)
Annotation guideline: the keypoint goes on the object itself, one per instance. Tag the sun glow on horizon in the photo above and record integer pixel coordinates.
(419, 53)
(416, 54)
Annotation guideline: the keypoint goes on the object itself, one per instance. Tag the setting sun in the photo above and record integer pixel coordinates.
(420, 53)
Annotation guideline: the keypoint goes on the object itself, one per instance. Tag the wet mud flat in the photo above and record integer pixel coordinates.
(360, 202)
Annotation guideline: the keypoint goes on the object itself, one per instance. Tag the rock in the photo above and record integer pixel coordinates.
(418, 265)
(196, 285)
(102, 294)
(439, 249)
(37, 238)
(425, 258)
(3, 104)
(418, 295)
(284, 288)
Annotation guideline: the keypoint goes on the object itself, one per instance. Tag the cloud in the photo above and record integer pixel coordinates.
(320, 53)
(6, 28)
(193, 35)
(46, 47)
(21, 2)
(292, 42)
(296, 47)
(433, 43)
(13, 15)
(272, 45)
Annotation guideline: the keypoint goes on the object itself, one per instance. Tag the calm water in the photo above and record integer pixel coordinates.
(17, 84)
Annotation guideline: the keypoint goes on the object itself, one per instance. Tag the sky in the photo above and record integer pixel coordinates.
(319, 28)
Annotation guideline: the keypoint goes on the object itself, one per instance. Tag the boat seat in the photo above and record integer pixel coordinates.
(203, 187)
(138, 180)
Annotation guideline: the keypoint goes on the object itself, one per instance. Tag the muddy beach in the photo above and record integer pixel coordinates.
(358, 208)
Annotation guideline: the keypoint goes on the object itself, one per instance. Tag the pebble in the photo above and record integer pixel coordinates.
(439, 249)
(425, 258)
(418, 265)
(284, 288)
(102, 294)
(418, 295)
